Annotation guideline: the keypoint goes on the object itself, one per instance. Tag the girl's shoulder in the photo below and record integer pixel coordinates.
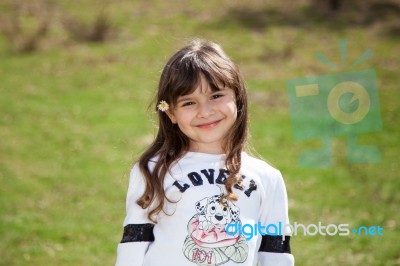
(260, 167)
(257, 162)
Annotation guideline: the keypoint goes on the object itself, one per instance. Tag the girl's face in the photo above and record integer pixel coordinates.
(205, 117)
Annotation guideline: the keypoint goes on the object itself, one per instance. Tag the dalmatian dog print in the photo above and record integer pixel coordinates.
(207, 242)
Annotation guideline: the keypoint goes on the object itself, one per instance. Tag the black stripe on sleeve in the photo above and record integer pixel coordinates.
(275, 244)
(138, 233)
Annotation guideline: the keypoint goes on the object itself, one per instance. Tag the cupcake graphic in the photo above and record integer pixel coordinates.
(207, 242)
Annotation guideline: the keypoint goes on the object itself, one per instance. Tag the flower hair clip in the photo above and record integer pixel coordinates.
(163, 106)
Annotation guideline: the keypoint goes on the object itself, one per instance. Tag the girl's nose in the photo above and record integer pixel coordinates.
(206, 109)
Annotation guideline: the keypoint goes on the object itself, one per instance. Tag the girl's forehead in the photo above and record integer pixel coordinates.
(204, 90)
(204, 87)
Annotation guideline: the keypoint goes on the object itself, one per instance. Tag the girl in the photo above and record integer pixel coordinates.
(195, 197)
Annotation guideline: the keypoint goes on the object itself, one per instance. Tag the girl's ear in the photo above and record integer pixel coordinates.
(171, 116)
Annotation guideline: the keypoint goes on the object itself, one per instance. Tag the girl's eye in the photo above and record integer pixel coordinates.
(216, 96)
(187, 103)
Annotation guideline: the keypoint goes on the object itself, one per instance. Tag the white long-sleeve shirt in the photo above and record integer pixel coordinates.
(193, 230)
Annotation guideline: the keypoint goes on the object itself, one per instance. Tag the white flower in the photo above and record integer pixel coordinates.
(163, 106)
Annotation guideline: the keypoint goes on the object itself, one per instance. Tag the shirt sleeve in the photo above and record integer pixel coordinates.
(275, 244)
(138, 229)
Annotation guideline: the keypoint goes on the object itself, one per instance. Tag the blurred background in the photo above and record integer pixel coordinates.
(76, 78)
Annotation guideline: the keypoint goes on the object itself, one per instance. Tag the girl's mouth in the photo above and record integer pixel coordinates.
(209, 125)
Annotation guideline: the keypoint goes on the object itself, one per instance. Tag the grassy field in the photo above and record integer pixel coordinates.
(73, 118)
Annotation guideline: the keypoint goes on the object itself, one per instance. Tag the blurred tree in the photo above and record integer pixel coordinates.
(94, 24)
(370, 10)
(335, 7)
(24, 23)
(98, 31)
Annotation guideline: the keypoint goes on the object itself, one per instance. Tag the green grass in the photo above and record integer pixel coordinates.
(73, 118)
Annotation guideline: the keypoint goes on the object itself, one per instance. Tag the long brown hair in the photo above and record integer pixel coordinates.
(180, 76)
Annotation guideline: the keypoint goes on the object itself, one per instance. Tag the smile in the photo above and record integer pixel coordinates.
(209, 125)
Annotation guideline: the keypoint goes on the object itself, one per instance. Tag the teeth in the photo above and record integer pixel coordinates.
(209, 123)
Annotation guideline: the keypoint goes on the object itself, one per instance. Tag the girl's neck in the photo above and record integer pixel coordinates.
(211, 149)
